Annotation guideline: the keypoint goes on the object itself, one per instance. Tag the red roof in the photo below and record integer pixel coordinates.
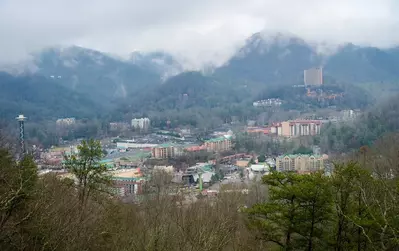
(195, 148)
(317, 122)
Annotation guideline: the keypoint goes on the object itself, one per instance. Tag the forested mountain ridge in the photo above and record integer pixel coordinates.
(41, 98)
(189, 89)
(93, 73)
(270, 59)
(364, 130)
(148, 81)
(282, 58)
(159, 62)
(363, 64)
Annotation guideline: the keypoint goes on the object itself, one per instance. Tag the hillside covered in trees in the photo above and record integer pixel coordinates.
(41, 98)
(365, 130)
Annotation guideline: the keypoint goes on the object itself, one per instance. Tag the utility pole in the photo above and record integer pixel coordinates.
(200, 181)
(21, 118)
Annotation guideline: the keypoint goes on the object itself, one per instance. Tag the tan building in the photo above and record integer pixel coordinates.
(296, 128)
(300, 163)
(220, 144)
(127, 182)
(166, 151)
(242, 163)
(313, 76)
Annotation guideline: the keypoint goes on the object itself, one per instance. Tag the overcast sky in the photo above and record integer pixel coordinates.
(201, 30)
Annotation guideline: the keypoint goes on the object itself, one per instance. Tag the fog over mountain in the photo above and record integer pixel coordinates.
(200, 32)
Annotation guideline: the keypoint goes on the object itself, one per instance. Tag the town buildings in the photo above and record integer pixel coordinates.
(141, 124)
(296, 128)
(165, 151)
(268, 102)
(220, 144)
(349, 114)
(167, 169)
(261, 168)
(171, 150)
(258, 130)
(300, 163)
(243, 162)
(65, 122)
(313, 76)
(133, 144)
(118, 126)
(127, 182)
(195, 148)
(193, 174)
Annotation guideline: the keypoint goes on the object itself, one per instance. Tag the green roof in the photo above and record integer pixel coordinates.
(218, 139)
(136, 156)
(167, 145)
(104, 161)
(207, 168)
(129, 178)
(299, 155)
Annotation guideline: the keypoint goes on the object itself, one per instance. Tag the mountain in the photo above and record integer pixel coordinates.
(161, 63)
(190, 98)
(187, 90)
(270, 59)
(40, 98)
(95, 74)
(277, 58)
(363, 64)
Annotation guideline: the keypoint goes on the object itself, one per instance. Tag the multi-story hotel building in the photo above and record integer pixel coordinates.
(165, 151)
(127, 182)
(300, 163)
(141, 124)
(220, 144)
(313, 76)
(296, 128)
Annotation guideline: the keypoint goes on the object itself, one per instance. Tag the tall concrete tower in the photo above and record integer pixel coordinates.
(21, 118)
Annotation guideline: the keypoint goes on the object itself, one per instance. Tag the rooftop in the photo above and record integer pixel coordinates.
(104, 161)
(301, 155)
(305, 121)
(219, 138)
(167, 145)
(127, 174)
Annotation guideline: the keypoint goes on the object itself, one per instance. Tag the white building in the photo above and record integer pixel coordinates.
(348, 114)
(268, 102)
(141, 123)
(130, 144)
(168, 169)
(260, 168)
(118, 126)
(65, 122)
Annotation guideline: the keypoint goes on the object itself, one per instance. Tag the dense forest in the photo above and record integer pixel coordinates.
(354, 208)
(366, 129)
(41, 98)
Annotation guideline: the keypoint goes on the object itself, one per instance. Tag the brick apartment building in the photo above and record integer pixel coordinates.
(127, 183)
(300, 163)
(165, 151)
(220, 144)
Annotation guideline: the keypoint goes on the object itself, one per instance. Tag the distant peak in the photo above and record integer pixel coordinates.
(276, 37)
(262, 42)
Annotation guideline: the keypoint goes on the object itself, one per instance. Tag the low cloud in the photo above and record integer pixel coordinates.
(206, 31)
